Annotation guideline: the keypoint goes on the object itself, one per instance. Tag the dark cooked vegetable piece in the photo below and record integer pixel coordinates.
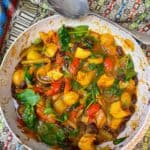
(75, 88)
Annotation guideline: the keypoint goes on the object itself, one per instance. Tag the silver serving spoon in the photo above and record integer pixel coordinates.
(78, 8)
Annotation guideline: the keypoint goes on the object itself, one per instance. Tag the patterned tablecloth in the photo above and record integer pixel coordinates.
(122, 11)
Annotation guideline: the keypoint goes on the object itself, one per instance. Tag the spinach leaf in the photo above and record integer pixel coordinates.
(29, 117)
(48, 109)
(28, 97)
(118, 141)
(92, 66)
(64, 38)
(27, 76)
(79, 31)
(51, 134)
(114, 89)
(126, 68)
(75, 85)
(63, 117)
(89, 41)
(94, 92)
(100, 70)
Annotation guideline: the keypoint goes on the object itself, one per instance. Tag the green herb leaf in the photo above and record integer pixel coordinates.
(37, 41)
(118, 141)
(92, 66)
(29, 97)
(51, 134)
(114, 89)
(100, 70)
(130, 74)
(75, 85)
(29, 117)
(63, 117)
(79, 31)
(64, 38)
(48, 109)
(27, 76)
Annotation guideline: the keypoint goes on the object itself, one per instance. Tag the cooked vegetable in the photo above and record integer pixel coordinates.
(29, 117)
(107, 39)
(126, 99)
(73, 68)
(85, 78)
(51, 49)
(105, 81)
(29, 97)
(60, 106)
(18, 77)
(115, 123)
(108, 63)
(86, 142)
(70, 98)
(118, 141)
(55, 74)
(117, 112)
(75, 88)
(64, 38)
(95, 60)
(33, 55)
(82, 53)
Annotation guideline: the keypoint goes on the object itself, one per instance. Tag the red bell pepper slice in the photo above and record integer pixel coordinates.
(92, 110)
(108, 64)
(67, 85)
(55, 88)
(73, 68)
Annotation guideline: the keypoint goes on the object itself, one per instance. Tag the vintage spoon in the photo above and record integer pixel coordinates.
(78, 8)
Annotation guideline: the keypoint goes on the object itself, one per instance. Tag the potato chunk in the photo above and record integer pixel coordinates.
(95, 60)
(18, 77)
(105, 81)
(82, 53)
(107, 39)
(51, 50)
(70, 98)
(115, 123)
(59, 106)
(55, 74)
(117, 112)
(33, 55)
(86, 142)
(85, 78)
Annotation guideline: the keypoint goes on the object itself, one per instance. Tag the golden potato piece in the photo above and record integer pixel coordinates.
(115, 123)
(33, 55)
(126, 99)
(59, 106)
(105, 81)
(85, 78)
(95, 60)
(82, 53)
(86, 142)
(54, 74)
(18, 77)
(117, 112)
(107, 39)
(51, 49)
(70, 98)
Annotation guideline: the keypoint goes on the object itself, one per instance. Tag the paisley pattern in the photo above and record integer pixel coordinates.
(132, 14)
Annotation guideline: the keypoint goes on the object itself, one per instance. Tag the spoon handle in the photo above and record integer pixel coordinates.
(142, 37)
